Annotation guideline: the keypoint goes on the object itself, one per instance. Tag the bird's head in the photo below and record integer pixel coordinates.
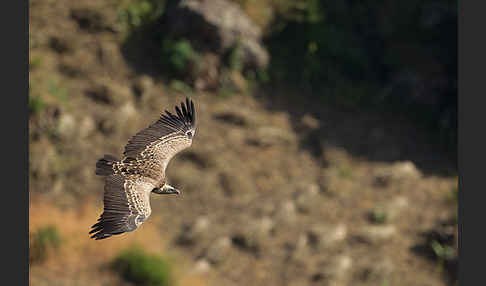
(166, 190)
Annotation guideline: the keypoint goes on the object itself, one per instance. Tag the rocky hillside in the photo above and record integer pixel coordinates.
(279, 188)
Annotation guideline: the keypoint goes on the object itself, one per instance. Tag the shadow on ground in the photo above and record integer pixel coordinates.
(443, 238)
(141, 50)
(376, 136)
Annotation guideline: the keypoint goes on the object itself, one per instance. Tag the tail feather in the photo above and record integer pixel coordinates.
(104, 166)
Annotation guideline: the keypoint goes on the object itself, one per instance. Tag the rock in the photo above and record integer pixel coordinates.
(219, 25)
(100, 93)
(286, 213)
(268, 136)
(254, 55)
(106, 126)
(86, 127)
(320, 236)
(67, 125)
(218, 250)
(300, 252)
(335, 271)
(234, 183)
(306, 199)
(343, 264)
(109, 55)
(405, 170)
(201, 266)
(142, 86)
(206, 73)
(252, 237)
(397, 172)
(109, 92)
(396, 206)
(58, 187)
(376, 233)
(310, 122)
(377, 270)
(238, 81)
(126, 113)
(192, 233)
(237, 117)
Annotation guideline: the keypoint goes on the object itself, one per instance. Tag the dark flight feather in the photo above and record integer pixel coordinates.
(118, 217)
(168, 123)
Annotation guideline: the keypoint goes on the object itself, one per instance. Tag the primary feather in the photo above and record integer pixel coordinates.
(130, 181)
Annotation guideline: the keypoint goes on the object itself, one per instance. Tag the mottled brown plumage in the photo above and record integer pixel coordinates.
(130, 181)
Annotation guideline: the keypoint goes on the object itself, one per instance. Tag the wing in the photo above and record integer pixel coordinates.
(157, 144)
(126, 206)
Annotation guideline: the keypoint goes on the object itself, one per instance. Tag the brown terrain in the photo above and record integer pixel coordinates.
(276, 189)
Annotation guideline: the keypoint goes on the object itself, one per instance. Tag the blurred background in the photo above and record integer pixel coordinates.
(325, 152)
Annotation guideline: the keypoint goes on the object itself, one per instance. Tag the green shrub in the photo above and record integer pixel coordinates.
(138, 267)
(378, 215)
(345, 172)
(442, 251)
(59, 92)
(34, 62)
(235, 61)
(134, 14)
(179, 54)
(36, 104)
(180, 86)
(41, 242)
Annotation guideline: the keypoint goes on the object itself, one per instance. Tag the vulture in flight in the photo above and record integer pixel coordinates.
(130, 181)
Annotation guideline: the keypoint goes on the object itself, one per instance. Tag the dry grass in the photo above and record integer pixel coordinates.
(84, 260)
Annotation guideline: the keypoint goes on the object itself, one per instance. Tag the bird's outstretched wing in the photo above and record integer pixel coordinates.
(157, 144)
(126, 206)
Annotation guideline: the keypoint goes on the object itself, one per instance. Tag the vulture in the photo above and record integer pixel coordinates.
(130, 181)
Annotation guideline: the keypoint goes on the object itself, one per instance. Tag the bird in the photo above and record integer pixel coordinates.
(130, 181)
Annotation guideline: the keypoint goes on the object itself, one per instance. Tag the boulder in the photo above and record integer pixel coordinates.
(192, 233)
(306, 199)
(201, 266)
(67, 125)
(218, 250)
(399, 171)
(142, 86)
(286, 213)
(107, 91)
(218, 26)
(376, 233)
(253, 237)
(324, 236)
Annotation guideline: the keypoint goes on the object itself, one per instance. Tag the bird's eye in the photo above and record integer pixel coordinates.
(189, 134)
